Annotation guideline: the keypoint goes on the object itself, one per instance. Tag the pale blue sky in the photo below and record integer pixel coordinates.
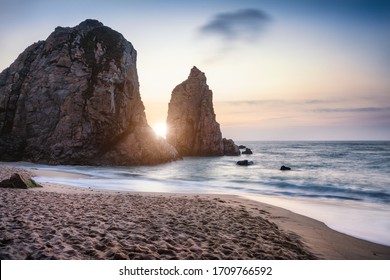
(279, 69)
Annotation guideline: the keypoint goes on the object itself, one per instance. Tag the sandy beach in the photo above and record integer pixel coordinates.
(62, 222)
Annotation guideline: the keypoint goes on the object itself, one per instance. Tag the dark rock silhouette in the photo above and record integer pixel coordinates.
(192, 126)
(74, 99)
(247, 151)
(285, 168)
(241, 147)
(244, 162)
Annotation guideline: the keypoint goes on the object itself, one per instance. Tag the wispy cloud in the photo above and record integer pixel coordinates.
(253, 102)
(305, 108)
(240, 25)
(258, 102)
(353, 110)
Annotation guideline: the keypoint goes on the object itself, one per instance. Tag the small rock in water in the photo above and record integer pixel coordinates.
(247, 151)
(244, 162)
(284, 168)
(241, 147)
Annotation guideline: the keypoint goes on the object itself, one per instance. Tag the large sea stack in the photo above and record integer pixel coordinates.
(192, 126)
(74, 99)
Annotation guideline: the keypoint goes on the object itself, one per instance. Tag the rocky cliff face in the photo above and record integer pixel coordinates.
(74, 99)
(192, 126)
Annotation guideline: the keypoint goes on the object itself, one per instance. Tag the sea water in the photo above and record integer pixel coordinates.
(344, 184)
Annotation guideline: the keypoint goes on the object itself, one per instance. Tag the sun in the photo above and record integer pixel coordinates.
(160, 129)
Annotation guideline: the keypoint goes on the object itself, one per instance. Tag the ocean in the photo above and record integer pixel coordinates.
(346, 185)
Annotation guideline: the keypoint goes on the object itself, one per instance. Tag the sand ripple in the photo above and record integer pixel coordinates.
(90, 225)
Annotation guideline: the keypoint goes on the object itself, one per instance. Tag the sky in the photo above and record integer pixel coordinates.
(278, 69)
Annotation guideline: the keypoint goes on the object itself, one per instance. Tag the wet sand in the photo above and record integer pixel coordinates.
(62, 222)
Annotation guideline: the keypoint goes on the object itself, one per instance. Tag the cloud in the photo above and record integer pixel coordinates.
(280, 102)
(353, 110)
(243, 25)
(253, 102)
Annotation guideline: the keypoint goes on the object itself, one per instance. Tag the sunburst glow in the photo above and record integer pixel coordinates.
(160, 129)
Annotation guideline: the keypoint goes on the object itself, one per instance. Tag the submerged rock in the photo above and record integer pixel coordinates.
(285, 168)
(247, 151)
(74, 99)
(244, 162)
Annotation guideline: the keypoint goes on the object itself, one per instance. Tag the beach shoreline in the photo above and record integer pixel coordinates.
(64, 222)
